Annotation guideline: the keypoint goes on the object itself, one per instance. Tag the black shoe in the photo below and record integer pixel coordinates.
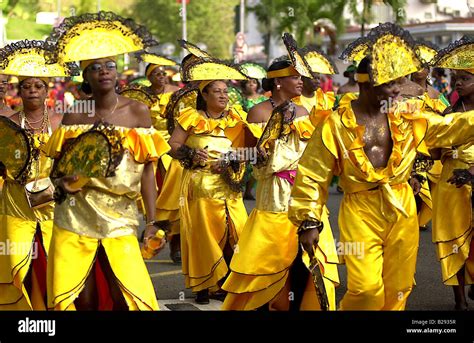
(220, 295)
(202, 297)
(176, 256)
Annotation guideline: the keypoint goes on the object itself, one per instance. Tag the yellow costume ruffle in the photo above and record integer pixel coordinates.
(269, 243)
(19, 226)
(103, 213)
(452, 221)
(157, 112)
(212, 215)
(378, 208)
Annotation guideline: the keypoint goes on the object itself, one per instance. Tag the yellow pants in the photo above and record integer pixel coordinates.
(381, 267)
(71, 259)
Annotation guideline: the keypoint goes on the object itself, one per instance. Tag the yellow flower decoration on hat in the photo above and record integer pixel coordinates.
(392, 51)
(296, 58)
(458, 55)
(97, 35)
(27, 58)
(149, 57)
(317, 60)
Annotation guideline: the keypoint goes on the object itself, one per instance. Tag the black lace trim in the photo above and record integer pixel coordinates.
(187, 68)
(194, 49)
(172, 108)
(37, 46)
(59, 35)
(293, 51)
(421, 42)
(452, 48)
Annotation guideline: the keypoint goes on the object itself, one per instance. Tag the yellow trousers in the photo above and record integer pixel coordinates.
(381, 267)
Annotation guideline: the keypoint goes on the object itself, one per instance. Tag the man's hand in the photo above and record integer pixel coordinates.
(415, 185)
(309, 240)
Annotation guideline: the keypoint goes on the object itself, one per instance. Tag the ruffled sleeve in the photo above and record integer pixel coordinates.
(145, 144)
(191, 120)
(56, 142)
(237, 127)
(303, 127)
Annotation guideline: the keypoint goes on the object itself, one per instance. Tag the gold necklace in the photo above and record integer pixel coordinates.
(44, 122)
(113, 110)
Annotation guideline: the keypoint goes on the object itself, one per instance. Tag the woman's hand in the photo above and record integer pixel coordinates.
(66, 183)
(200, 157)
(309, 240)
(150, 233)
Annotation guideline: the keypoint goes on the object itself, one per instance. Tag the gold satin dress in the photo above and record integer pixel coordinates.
(24, 231)
(269, 242)
(211, 214)
(377, 218)
(103, 214)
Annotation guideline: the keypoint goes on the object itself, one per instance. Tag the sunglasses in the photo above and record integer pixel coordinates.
(26, 86)
(96, 67)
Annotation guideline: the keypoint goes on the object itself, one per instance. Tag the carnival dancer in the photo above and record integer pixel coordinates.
(268, 273)
(26, 206)
(372, 148)
(452, 221)
(95, 255)
(212, 211)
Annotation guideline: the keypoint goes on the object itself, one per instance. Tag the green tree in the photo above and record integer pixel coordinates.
(366, 16)
(209, 22)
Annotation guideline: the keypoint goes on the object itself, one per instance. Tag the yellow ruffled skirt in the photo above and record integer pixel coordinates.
(214, 223)
(72, 257)
(262, 260)
(167, 203)
(18, 236)
(452, 226)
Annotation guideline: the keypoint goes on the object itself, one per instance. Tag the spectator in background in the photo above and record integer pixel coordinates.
(351, 86)
(440, 82)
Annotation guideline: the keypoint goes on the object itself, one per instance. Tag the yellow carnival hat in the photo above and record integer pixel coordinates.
(458, 55)
(296, 58)
(392, 51)
(28, 58)
(138, 93)
(97, 35)
(253, 70)
(149, 57)
(317, 60)
(201, 66)
(426, 51)
(194, 49)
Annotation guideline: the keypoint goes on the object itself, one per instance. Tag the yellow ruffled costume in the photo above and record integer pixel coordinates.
(19, 226)
(269, 243)
(212, 215)
(104, 214)
(378, 210)
(157, 112)
(320, 101)
(452, 220)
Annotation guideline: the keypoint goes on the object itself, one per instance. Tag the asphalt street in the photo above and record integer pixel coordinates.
(429, 293)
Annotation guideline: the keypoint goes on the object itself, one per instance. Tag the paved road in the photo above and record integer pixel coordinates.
(429, 294)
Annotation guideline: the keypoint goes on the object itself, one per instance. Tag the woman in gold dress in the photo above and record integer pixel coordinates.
(23, 271)
(212, 212)
(268, 272)
(95, 254)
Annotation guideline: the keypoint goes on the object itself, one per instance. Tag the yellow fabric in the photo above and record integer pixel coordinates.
(211, 213)
(203, 84)
(269, 243)
(18, 226)
(151, 68)
(452, 220)
(167, 203)
(319, 106)
(288, 71)
(17, 235)
(157, 113)
(362, 78)
(107, 207)
(71, 259)
(337, 147)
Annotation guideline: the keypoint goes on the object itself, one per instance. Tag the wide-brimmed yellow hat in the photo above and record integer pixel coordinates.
(27, 58)
(392, 52)
(97, 35)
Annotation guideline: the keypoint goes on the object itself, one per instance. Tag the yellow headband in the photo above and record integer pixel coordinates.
(153, 67)
(471, 70)
(361, 78)
(86, 63)
(23, 78)
(288, 71)
(203, 84)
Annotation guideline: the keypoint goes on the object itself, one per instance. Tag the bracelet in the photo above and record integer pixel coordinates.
(310, 224)
(162, 224)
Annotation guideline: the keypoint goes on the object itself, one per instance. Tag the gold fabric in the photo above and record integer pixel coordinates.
(271, 239)
(157, 112)
(452, 220)
(71, 260)
(337, 147)
(288, 71)
(212, 215)
(167, 203)
(323, 102)
(18, 226)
